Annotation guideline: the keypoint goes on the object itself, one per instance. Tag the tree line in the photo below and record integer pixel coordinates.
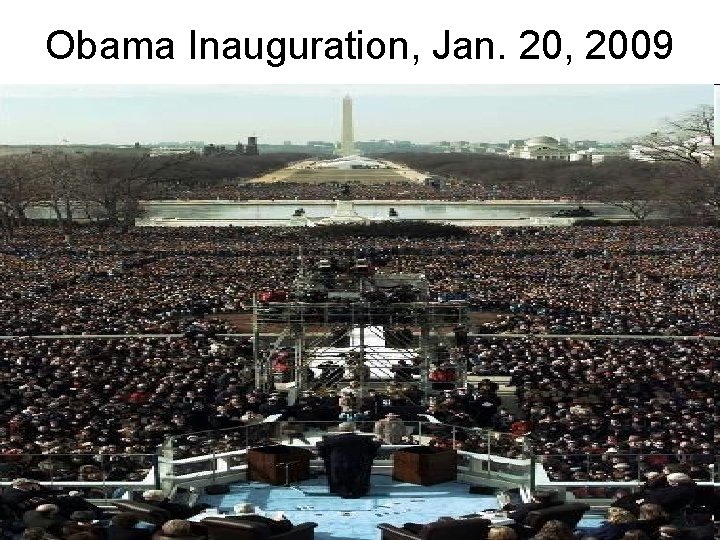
(108, 187)
(674, 167)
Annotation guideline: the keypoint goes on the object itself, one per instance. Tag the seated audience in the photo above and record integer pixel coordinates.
(36, 533)
(650, 518)
(619, 521)
(45, 517)
(176, 529)
(247, 512)
(678, 494)
(540, 499)
(127, 526)
(502, 533)
(179, 511)
(555, 530)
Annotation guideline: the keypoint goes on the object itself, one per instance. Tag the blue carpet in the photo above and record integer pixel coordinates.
(356, 519)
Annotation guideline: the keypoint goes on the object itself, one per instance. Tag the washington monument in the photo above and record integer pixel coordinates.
(347, 146)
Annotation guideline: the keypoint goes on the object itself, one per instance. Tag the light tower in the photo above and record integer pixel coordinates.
(347, 147)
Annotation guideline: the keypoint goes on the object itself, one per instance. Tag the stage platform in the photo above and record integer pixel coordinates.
(346, 519)
(356, 519)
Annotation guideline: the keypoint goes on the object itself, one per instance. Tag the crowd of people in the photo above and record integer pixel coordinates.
(595, 409)
(670, 506)
(607, 409)
(560, 280)
(31, 511)
(288, 190)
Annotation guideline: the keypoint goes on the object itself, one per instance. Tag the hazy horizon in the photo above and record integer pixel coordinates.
(124, 114)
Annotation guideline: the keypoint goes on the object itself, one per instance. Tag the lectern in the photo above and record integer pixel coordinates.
(424, 465)
(279, 464)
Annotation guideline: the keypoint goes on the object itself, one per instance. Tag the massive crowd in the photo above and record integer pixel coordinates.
(560, 280)
(390, 191)
(606, 410)
(601, 399)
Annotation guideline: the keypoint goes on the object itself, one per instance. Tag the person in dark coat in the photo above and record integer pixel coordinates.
(615, 527)
(45, 517)
(124, 526)
(348, 459)
(247, 512)
(650, 518)
(678, 494)
(176, 529)
(156, 497)
(23, 495)
(540, 500)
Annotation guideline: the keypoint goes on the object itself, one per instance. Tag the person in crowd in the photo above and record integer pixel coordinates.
(23, 494)
(556, 530)
(619, 521)
(502, 533)
(83, 521)
(348, 461)
(176, 529)
(390, 429)
(36, 533)
(45, 517)
(678, 494)
(701, 526)
(247, 512)
(180, 511)
(125, 526)
(650, 518)
(539, 500)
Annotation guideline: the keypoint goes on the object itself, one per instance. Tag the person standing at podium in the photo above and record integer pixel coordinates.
(348, 459)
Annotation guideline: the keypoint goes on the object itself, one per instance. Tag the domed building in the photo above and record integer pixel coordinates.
(541, 148)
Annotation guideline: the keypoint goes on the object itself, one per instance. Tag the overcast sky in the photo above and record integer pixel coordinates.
(223, 114)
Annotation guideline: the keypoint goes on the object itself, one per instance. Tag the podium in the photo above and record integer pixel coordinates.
(278, 465)
(424, 465)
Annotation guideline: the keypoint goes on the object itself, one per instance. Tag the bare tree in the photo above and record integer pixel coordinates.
(634, 186)
(114, 184)
(688, 139)
(18, 189)
(60, 188)
(695, 192)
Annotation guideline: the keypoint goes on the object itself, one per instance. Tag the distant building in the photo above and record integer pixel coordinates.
(585, 145)
(213, 149)
(159, 150)
(251, 149)
(599, 155)
(541, 149)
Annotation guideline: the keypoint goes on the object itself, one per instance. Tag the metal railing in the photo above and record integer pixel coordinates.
(97, 476)
(484, 456)
(586, 471)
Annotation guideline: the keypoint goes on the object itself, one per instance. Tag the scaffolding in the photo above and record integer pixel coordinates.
(339, 327)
